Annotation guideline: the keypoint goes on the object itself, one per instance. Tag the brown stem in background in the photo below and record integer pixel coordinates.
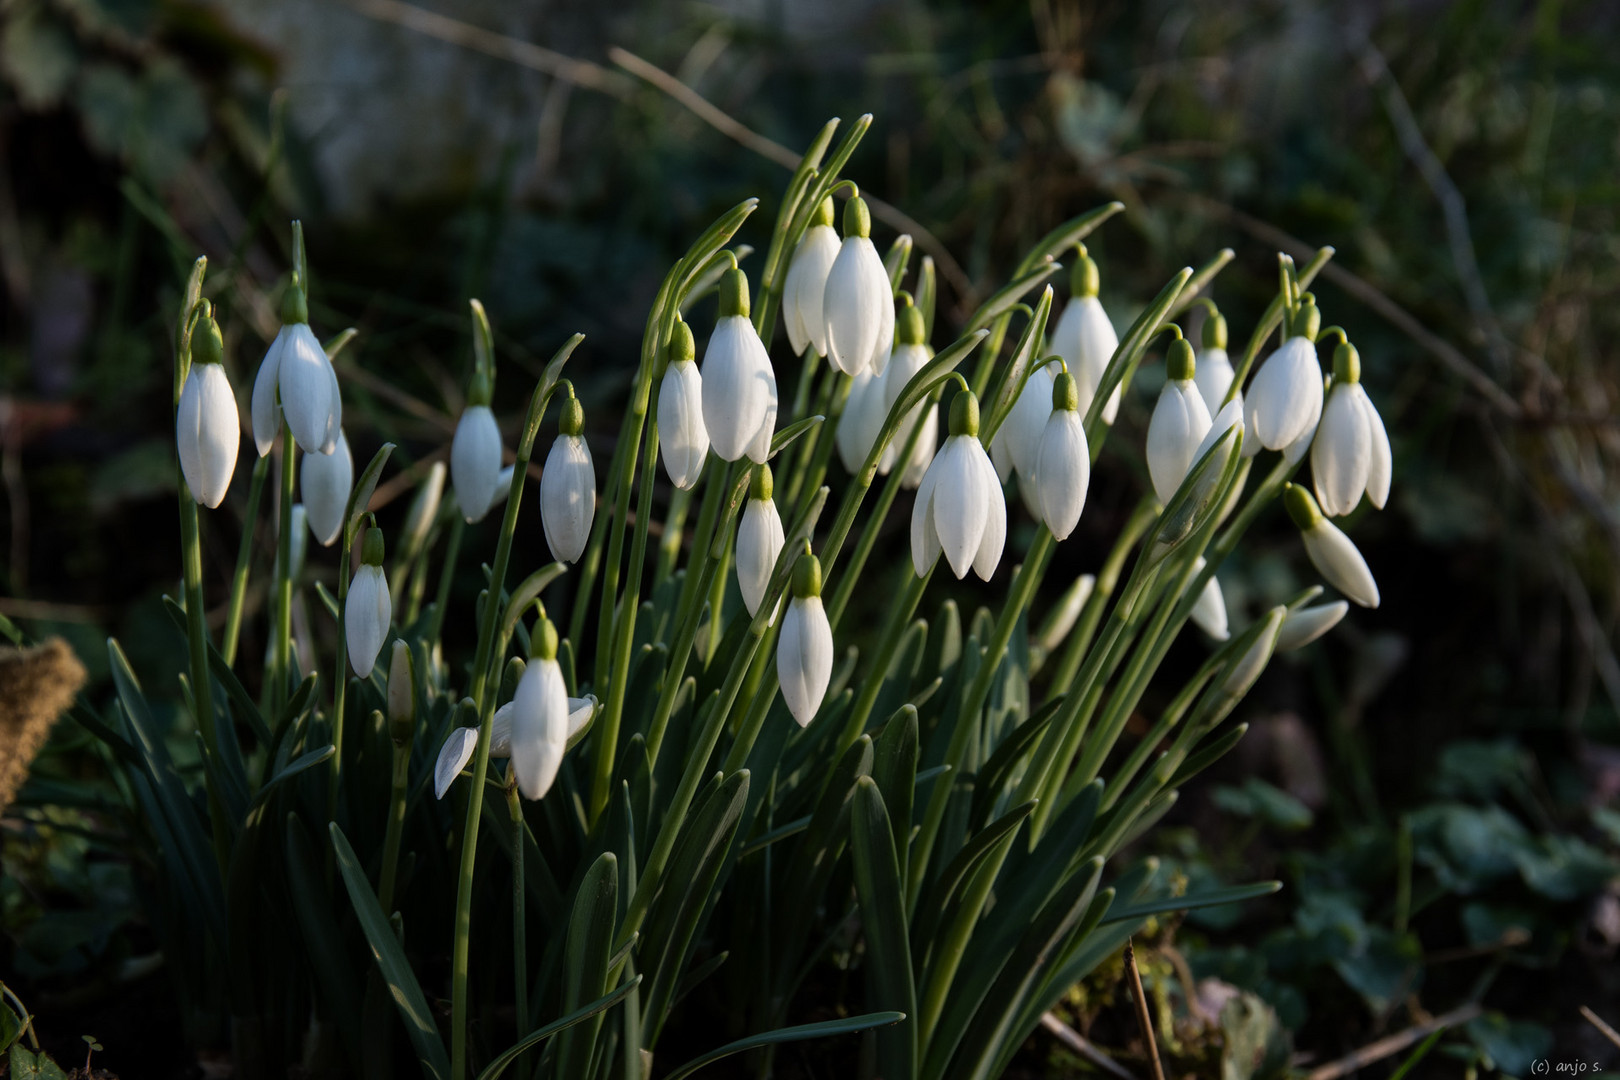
(1143, 1017)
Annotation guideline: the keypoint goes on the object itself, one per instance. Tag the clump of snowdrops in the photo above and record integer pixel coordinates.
(690, 778)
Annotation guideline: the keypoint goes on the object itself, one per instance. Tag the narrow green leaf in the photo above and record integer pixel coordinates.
(590, 940)
(883, 917)
(1229, 895)
(301, 764)
(894, 767)
(240, 700)
(786, 437)
(391, 961)
(825, 1028)
(527, 589)
(494, 1069)
(1003, 765)
(943, 891)
(1207, 755)
(360, 495)
(1068, 234)
(781, 832)
(324, 946)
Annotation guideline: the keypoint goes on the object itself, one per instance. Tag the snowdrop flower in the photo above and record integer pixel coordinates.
(682, 438)
(759, 540)
(207, 428)
(1247, 668)
(367, 609)
(960, 509)
(861, 422)
(806, 283)
(458, 748)
(296, 380)
(1351, 454)
(539, 732)
(858, 303)
(1332, 552)
(1085, 338)
(568, 487)
(1017, 442)
(909, 356)
(1285, 398)
(324, 481)
(739, 386)
(475, 452)
(1209, 610)
(1214, 375)
(1305, 625)
(401, 697)
(1180, 422)
(804, 651)
(1062, 472)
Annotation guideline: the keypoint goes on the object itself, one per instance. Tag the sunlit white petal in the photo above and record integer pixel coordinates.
(324, 482)
(568, 498)
(804, 657)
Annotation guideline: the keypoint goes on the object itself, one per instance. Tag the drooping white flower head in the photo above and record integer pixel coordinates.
(1305, 625)
(1085, 337)
(1351, 453)
(739, 385)
(804, 650)
(806, 283)
(568, 488)
(858, 304)
(367, 610)
(1285, 398)
(324, 482)
(296, 380)
(759, 540)
(1063, 460)
(1209, 610)
(1247, 667)
(1180, 422)
(682, 438)
(909, 356)
(539, 734)
(1016, 445)
(861, 422)
(475, 452)
(922, 451)
(207, 427)
(1230, 416)
(1332, 552)
(459, 747)
(960, 510)
(1214, 374)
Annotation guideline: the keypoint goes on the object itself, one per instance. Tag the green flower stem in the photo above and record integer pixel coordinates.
(340, 676)
(281, 631)
(605, 739)
(484, 702)
(398, 790)
(669, 550)
(801, 391)
(1122, 365)
(815, 450)
(784, 240)
(1271, 320)
(762, 679)
(894, 632)
(447, 574)
(717, 595)
(244, 563)
(1147, 510)
(1023, 587)
(415, 588)
(718, 478)
(520, 933)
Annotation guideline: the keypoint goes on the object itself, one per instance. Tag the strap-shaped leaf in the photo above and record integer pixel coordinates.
(1208, 754)
(323, 943)
(883, 916)
(894, 767)
(360, 496)
(1231, 894)
(786, 437)
(495, 1068)
(590, 940)
(302, 764)
(245, 706)
(967, 861)
(822, 1030)
(391, 961)
(1068, 234)
(1004, 763)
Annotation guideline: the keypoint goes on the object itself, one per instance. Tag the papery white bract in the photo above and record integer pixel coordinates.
(806, 283)
(1247, 668)
(208, 432)
(568, 494)
(475, 461)
(858, 303)
(324, 481)
(960, 510)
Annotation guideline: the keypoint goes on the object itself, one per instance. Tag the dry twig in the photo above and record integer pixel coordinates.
(1392, 1044)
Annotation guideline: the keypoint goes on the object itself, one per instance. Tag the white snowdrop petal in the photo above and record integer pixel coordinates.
(1209, 610)
(500, 732)
(219, 433)
(994, 537)
(266, 417)
(1285, 396)
(580, 711)
(568, 498)
(759, 447)
(1027, 420)
(1001, 455)
(737, 386)
(1213, 378)
(324, 482)
(453, 757)
(305, 379)
(1341, 563)
(1341, 455)
(861, 421)
(1247, 668)
(1230, 416)
(539, 727)
(682, 438)
(922, 451)
(475, 461)
(759, 542)
(1093, 342)
(806, 283)
(367, 611)
(1304, 626)
(1180, 422)
(853, 305)
(188, 433)
(1064, 470)
(961, 499)
(1381, 466)
(804, 657)
(924, 537)
(334, 412)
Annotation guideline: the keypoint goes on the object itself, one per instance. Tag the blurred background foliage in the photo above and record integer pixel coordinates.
(1436, 783)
